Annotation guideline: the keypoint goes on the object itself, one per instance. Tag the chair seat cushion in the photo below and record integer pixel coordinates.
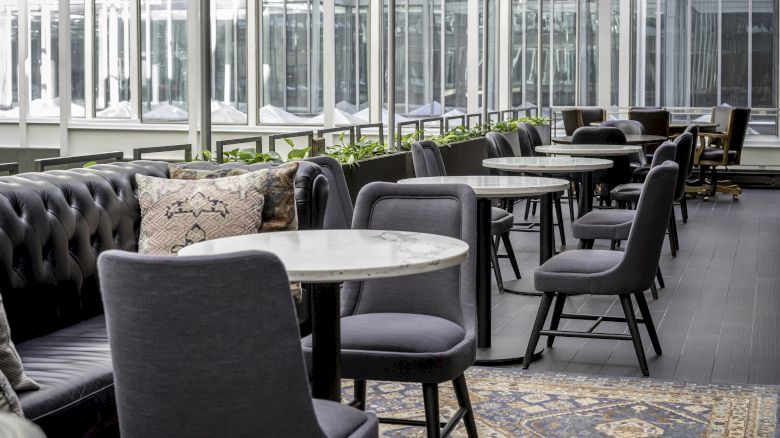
(716, 154)
(338, 420)
(604, 224)
(501, 221)
(571, 271)
(401, 347)
(73, 367)
(626, 192)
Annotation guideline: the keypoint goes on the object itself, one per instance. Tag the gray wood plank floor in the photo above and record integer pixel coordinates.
(717, 318)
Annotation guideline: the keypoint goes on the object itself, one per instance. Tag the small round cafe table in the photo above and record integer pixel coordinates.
(506, 349)
(326, 258)
(630, 139)
(583, 165)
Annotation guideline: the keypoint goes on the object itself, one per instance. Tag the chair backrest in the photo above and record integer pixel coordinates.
(500, 147)
(655, 121)
(195, 355)
(533, 135)
(636, 271)
(338, 210)
(694, 131)
(427, 159)
(684, 143)
(448, 210)
(592, 115)
(571, 120)
(628, 127)
(666, 152)
(740, 117)
(721, 115)
(598, 135)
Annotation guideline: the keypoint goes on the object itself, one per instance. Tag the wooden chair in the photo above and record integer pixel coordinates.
(722, 148)
(574, 118)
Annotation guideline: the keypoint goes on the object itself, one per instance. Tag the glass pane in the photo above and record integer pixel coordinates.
(491, 56)
(734, 53)
(455, 60)
(764, 54)
(44, 58)
(77, 66)
(164, 59)
(704, 50)
(615, 56)
(531, 75)
(292, 61)
(228, 24)
(589, 46)
(112, 59)
(351, 60)
(674, 56)
(9, 59)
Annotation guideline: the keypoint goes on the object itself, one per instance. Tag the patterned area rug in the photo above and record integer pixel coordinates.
(512, 403)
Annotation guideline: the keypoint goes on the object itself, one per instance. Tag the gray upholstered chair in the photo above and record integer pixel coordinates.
(420, 328)
(428, 162)
(338, 211)
(501, 148)
(598, 135)
(534, 139)
(627, 127)
(620, 172)
(601, 272)
(197, 356)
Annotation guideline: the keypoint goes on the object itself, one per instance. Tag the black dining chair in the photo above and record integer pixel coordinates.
(630, 127)
(420, 328)
(655, 122)
(338, 211)
(197, 356)
(620, 172)
(428, 162)
(616, 273)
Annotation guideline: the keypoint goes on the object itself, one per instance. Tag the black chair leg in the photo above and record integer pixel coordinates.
(431, 399)
(670, 230)
(533, 209)
(510, 253)
(496, 267)
(674, 228)
(654, 291)
(360, 395)
(462, 394)
(556, 317)
(660, 277)
(585, 244)
(571, 201)
(613, 245)
(527, 208)
(541, 316)
(684, 209)
(559, 215)
(648, 320)
(633, 329)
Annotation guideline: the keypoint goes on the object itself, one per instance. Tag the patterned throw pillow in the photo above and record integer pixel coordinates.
(279, 212)
(9, 401)
(177, 213)
(10, 362)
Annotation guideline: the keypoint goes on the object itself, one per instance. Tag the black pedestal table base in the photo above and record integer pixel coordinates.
(326, 341)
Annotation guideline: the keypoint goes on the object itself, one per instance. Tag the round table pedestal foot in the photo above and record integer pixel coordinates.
(507, 350)
(523, 286)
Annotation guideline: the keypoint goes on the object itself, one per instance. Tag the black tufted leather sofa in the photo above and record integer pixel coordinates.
(53, 225)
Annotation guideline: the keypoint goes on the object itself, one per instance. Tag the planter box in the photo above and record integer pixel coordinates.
(465, 157)
(388, 168)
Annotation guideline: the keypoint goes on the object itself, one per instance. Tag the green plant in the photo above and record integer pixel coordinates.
(89, 164)
(456, 134)
(408, 139)
(251, 156)
(363, 149)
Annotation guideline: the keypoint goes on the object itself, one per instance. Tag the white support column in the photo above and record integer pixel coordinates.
(64, 74)
(624, 55)
(504, 54)
(472, 54)
(375, 61)
(193, 67)
(253, 60)
(328, 68)
(135, 59)
(604, 73)
(24, 76)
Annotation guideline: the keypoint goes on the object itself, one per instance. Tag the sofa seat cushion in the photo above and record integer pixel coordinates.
(73, 368)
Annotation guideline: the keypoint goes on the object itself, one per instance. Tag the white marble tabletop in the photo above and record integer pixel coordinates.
(592, 150)
(333, 256)
(548, 164)
(498, 186)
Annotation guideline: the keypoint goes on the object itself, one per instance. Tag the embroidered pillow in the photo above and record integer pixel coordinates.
(178, 213)
(178, 172)
(9, 401)
(10, 362)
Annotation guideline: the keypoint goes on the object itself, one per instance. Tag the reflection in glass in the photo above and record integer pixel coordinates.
(164, 59)
(351, 60)
(229, 55)
(44, 56)
(491, 56)
(77, 62)
(734, 53)
(589, 53)
(112, 59)
(704, 50)
(764, 54)
(9, 59)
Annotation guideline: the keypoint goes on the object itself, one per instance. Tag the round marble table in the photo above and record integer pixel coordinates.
(590, 150)
(582, 165)
(678, 128)
(507, 349)
(630, 139)
(329, 257)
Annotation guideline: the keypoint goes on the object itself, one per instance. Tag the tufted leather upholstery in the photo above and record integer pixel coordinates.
(53, 225)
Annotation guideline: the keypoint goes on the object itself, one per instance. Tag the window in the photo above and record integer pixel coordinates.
(112, 59)
(229, 54)
(9, 59)
(164, 59)
(492, 24)
(77, 61)
(351, 60)
(44, 58)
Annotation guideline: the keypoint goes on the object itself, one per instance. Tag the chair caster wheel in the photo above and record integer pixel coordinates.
(736, 198)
